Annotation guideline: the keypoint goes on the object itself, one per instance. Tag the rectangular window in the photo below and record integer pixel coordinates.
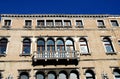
(114, 23)
(58, 22)
(7, 23)
(28, 23)
(79, 23)
(101, 24)
(67, 23)
(108, 46)
(49, 23)
(40, 22)
(83, 48)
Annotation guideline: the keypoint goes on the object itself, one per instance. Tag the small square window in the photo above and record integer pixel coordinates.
(114, 23)
(58, 22)
(49, 23)
(67, 23)
(7, 23)
(40, 23)
(28, 23)
(101, 24)
(79, 23)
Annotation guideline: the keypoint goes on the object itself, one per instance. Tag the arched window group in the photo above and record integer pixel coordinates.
(52, 46)
(61, 75)
(60, 46)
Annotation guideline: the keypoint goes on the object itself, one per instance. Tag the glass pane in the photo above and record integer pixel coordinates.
(69, 42)
(2, 50)
(109, 48)
(24, 77)
(60, 42)
(62, 76)
(73, 76)
(79, 23)
(83, 49)
(50, 42)
(51, 76)
(41, 42)
(40, 76)
(26, 49)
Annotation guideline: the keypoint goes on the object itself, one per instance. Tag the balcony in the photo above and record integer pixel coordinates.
(56, 55)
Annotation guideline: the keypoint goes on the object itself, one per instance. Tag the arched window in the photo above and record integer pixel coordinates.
(40, 75)
(70, 47)
(74, 75)
(26, 46)
(51, 75)
(108, 45)
(3, 46)
(116, 73)
(24, 75)
(62, 75)
(41, 47)
(60, 48)
(90, 74)
(84, 46)
(50, 48)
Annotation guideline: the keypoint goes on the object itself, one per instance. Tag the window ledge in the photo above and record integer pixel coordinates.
(79, 26)
(6, 27)
(28, 27)
(100, 27)
(85, 53)
(111, 53)
(3, 55)
(25, 54)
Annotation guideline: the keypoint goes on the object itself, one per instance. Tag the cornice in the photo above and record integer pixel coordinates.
(60, 15)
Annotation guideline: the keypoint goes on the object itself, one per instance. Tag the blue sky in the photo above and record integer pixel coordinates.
(60, 7)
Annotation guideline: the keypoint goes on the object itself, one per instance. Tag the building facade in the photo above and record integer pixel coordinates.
(59, 46)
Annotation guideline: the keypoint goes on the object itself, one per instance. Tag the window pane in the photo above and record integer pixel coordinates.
(69, 42)
(62, 76)
(28, 23)
(114, 23)
(58, 22)
(40, 22)
(109, 48)
(73, 76)
(24, 77)
(51, 76)
(49, 22)
(50, 42)
(40, 76)
(79, 23)
(100, 23)
(84, 49)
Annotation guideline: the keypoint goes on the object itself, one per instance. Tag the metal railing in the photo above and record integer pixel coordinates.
(56, 55)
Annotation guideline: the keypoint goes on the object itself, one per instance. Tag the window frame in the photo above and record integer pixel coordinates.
(28, 26)
(114, 21)
(84, 40)
(40, 20)
(110, 44)
(2, 53)
(24, 45)
(101, 26)
(7, 26)
(81, 22)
